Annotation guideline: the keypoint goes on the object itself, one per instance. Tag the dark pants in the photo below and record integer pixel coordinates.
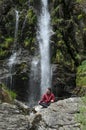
(45, 105)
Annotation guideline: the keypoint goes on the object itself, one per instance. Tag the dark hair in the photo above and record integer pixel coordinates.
(49, 89)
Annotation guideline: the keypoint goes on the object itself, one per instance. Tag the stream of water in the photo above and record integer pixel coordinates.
(12, 59)
(44, 34)
(43, 74)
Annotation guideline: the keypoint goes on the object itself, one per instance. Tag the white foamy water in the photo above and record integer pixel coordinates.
(16, 26)
(44, 33)
(12, 59)
(34, 90)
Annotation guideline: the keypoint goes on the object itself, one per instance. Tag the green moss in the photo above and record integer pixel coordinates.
(31, 2)
(24, 78)
(60, 42)
(55, 10)
(22, 1)
(12, 95)
(7, 43)
(59, 57)
(80, 16)
(31, 17)
(84, 29)
(29, 42)
(81, 117)
(59, 35)
(5, 47)
(26, 42)
(78, 57)
(3, 53)
(22, 67)
(56, 20)
(81, 74)
(80, 1)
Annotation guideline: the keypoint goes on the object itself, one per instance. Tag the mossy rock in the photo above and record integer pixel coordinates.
(7, 43)
(80, 1)
(6, 95)
(5, 47)
(4, 54)
(31, 17)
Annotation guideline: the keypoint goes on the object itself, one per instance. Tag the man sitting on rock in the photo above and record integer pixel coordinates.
(47, 98)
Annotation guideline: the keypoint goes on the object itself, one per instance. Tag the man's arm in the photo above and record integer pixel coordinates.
(43, 98)
(52, 98)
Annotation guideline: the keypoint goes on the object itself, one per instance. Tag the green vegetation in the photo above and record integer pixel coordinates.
(7, 43)
(3, 53)
(5, 47)
(22, 1)
(24, 78)
(79, 1)
(59, 56)
(10, 95)
(29, 42)
(81, 75)
(30, 32)
(31, 16)
(80, 16)
(81, 117)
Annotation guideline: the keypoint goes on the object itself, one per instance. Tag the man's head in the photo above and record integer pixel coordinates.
(48, 91)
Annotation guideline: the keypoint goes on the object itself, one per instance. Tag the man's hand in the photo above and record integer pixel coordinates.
(38, 102)
(52, 101)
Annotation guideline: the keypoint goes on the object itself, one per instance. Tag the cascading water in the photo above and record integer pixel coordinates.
(43, 36)
(34, 89)
(16, 26)
(11, 64)
(12, 59)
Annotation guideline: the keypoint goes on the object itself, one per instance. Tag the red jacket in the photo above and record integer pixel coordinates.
(47, 98)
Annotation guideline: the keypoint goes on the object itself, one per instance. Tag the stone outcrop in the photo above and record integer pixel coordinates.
(11, 118)
(58, 116)
(61, 116)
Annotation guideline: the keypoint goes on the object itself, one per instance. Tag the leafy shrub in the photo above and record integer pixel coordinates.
(10, 93)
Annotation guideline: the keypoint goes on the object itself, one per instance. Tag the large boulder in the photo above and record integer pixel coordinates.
(11, 119)
(60, 115)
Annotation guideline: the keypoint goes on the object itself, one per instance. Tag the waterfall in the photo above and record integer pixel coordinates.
(16, 26)
(43, 36)
(34, 89)
(11, 64)
(12, 60)
(41, 63)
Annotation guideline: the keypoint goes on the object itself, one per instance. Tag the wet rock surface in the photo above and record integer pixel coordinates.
(58, 116)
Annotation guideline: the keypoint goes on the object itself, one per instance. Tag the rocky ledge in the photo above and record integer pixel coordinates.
(60, 115)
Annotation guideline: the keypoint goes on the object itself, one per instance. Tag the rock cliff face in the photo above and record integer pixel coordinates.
(59, 116)
(68, 19)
